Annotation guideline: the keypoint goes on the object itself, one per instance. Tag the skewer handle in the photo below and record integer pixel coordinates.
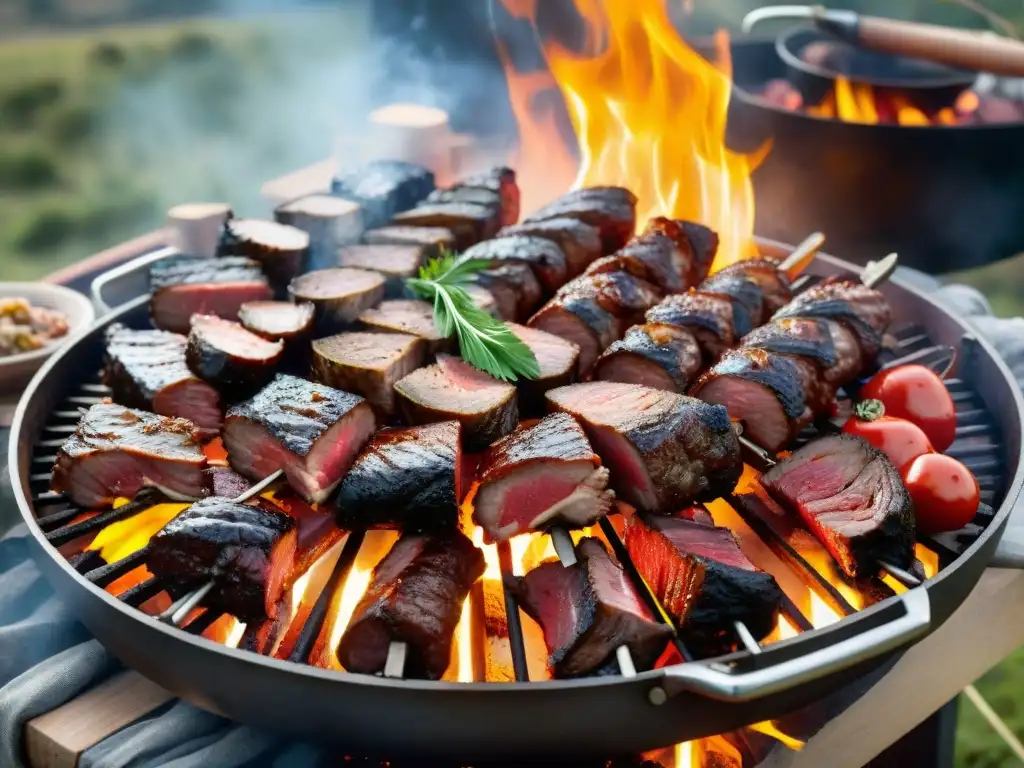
(877, 272)
(802, 255)
(394, 665)
(564, 547)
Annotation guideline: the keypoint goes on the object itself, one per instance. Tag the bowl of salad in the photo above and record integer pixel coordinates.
(35, 319)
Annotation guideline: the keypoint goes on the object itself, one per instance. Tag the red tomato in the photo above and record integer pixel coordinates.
(917, 394)
(944, 491)
(898, 439)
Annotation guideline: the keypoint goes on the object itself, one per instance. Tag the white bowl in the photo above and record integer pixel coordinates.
(16, 370)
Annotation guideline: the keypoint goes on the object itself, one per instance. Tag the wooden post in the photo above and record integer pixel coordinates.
(197, 226)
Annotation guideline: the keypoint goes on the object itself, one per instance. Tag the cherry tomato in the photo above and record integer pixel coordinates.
(944, 491)
(899, 439)
(917, 394)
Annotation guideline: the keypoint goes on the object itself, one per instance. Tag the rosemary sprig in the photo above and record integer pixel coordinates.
(484, 342)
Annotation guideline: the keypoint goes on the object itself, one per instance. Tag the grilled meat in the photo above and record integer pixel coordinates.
(432, 239)
(703, 244)
(852, 499)
(279, 248)
(147, 370)
(557, 358)
(709, 317)
(611, 209)
(311, 431)
(315, 530)
(405, 478)
(664, 450)
(544, 257)
(277, 320)
(474, 195)
(863, 310)
(775, 291)
(469, 222)
(454, 390)
(831, 346)
(117, 451)
(339, 295)
(227, 483)
(501, 180)
(415, 597)
(248, 552)
(652, 256)
(395, 262)
(183, 286)
(224, 354)
(580, 242)
(746, 298)
(702, 578)
(483, 299)
(620, 293)
(587, 611)
(383, 188)
(654, 355)
(515, 288)
(368, 364)
(542, 475)
(409, 317)
(578, 317)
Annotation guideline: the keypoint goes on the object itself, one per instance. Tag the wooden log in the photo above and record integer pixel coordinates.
(197, 226)
(416, 134)
(330, 222)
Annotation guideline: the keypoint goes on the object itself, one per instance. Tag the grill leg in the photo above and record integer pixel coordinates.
(930, 745)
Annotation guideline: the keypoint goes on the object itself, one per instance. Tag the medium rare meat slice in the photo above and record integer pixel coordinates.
(557, 359)
(367, 364)
(339, 295)
(544, 257)
(277, 320)
(580, 242)
(776, 291)
(863, 310)
(433, 240)
(407, 316)
(469, 222)
(577, 317)
(409, 479)
(515, 288)
(415, 597)
(611, 209)
(853, 500)
(311, 431)
(280, 249)
(708, 316)
(587, 611)
(501, 180)
(703, 580)
(234, 360)
(483, 299)
(247, 551)
(382, 188)
(147, 370)
(395, 262)
(620, 293)
(831, 346)
(664, 450)
(654, 355)
(746, 297)
(454, 390)
(117, 451)
(182, 286)
(542, 475)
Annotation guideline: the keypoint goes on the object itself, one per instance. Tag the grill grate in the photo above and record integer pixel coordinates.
(977, 445)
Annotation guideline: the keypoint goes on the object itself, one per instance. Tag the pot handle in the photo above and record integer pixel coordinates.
(123, 283)
(719, 682)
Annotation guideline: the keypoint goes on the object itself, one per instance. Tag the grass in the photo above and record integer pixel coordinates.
(977, 745)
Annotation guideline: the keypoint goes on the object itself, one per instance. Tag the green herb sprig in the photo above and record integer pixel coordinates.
(484, 342)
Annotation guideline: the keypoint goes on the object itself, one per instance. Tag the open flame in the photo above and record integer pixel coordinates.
(861, 103)
(649, 114)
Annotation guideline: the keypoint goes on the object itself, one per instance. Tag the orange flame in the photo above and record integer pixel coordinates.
(861, 103)
(649, 113)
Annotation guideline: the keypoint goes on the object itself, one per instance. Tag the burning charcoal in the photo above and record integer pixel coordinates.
(234, 360)
(406, 316)
(410, 479)
(277, 320)
(580, 242)
(515, 288)
(702, 578)
(829, 345)
(578, 317)
(415, 597)
(395, 262)
(557, 358)
(338, 295)
(147, 370)
(664, 450)
(469, 222)
(863, 310)
(709, 317)
(455, 390)
(502, 181)
(383, 188)
(329, 221)
(117, 451)
(280, 249)
(654, 355)
(248, 551)
(587, 611)
(433, 240)
(539, 476)
(367, 364)
(852, 499)
(311, 431)
(544, 257)
(775, 290)
(611, 209)
(183, 286)
(620, 293)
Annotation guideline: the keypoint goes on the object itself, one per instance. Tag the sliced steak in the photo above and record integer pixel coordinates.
(395, 262)
(501, 180)
(542, 475)
(454, 390)
(664, 450)
(557, 358)
(147, 370)
(515, 288)
(483, 299)
(277, 320)
(311, 431)
(410, 479)
(248, 552)
(237, 362)
(580, 242)
(433, 240)
(183, 286)
(776, 291)
(703, 580)
(579, 318)
(542, 256)
(746, 297)
(469, 222)
(587, 611)
(708, 316)
(339, 296)
(831, 346)
(853, 500)
(620, 293)
(279, 248)
(863, 310)
(117, 451)
(368, 364)
(383, 188)
(611, 209)
(415, 597)
(407, 316)
(654, 355)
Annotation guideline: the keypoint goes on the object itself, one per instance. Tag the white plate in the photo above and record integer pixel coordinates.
(16, 370)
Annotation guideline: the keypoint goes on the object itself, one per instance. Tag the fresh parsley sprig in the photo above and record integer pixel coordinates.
(484, 342)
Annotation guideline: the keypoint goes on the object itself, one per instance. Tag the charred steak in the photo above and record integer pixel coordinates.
(543, 256)
(863, 310)
(277, 320)
(611, 209)
(654, 355)
(383, 188)
(339, 295)
(580, 242)
(280, 249)
(557, 358)
(237, 362)
(183, 286)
